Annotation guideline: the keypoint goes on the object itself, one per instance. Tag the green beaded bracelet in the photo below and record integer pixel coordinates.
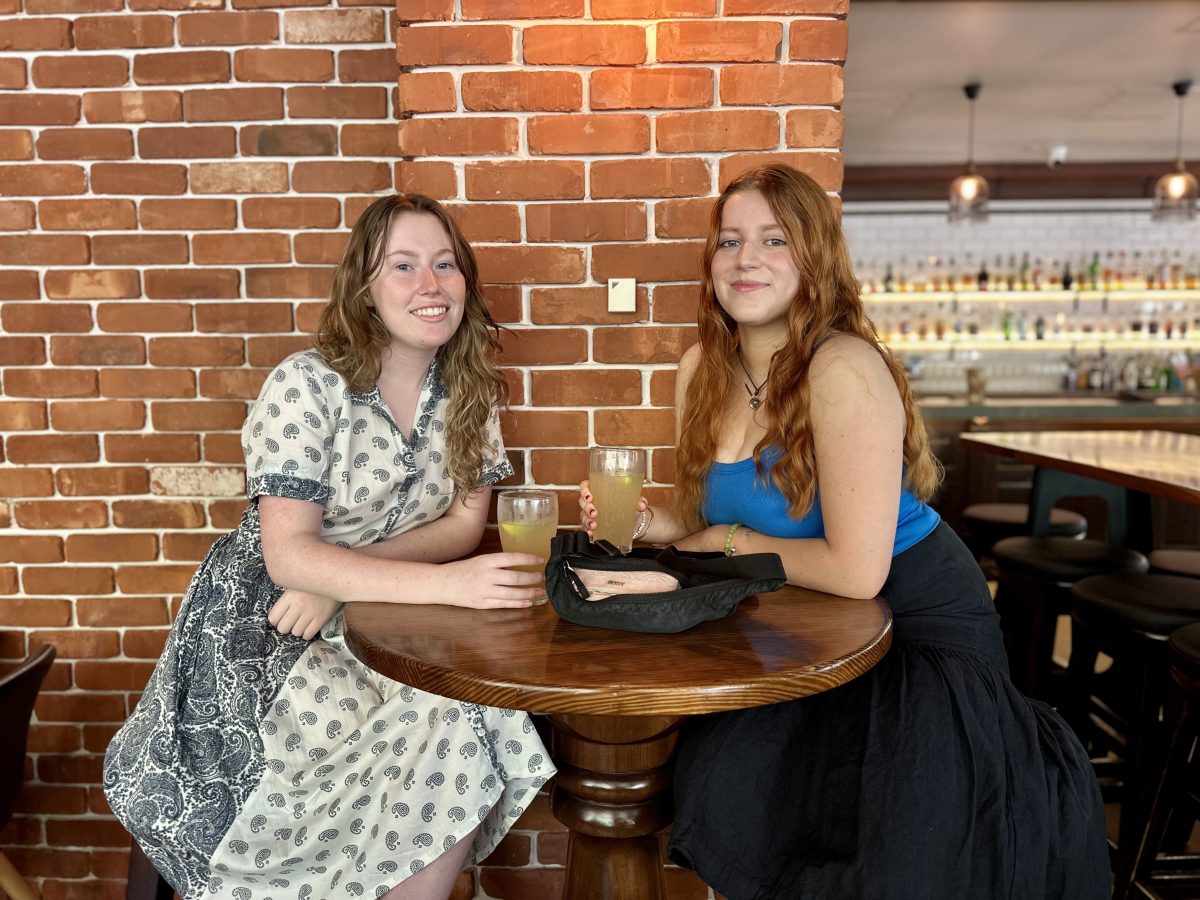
(729, 549)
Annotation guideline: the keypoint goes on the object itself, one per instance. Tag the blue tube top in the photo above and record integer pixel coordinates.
(735, 494)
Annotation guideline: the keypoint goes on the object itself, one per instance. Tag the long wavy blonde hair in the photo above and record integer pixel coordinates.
(827, 301)
(351, 337)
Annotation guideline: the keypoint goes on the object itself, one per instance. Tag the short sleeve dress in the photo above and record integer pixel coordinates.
(261, 766)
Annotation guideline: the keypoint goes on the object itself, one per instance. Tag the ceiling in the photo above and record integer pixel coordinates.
(1091, 75)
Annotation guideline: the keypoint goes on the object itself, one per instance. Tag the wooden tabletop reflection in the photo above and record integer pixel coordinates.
(777, 646)
(1164, 463)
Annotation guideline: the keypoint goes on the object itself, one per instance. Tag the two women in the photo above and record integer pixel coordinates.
(263, 760)
(260, 763)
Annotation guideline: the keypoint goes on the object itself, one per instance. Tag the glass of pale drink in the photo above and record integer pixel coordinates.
(616, 476)
(528, 521)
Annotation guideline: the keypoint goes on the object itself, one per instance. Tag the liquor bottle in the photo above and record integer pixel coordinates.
(889, 281)
(1139, 278)
(1071, 374)
(1038, 276)
(1022, 325)
(981, 280)
(1023, 273)
(1094, 272)
(1122, 273)
(1067, 278)
(1191, 273)
(937, 274)
(1177, 271)
(1006, 323)
(1109, 276)
(1013, 274)
(1039, 327)
(966, 275)
(920, 281)
(902, 275)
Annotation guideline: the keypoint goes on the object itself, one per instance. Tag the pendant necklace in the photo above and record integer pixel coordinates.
(755, 402)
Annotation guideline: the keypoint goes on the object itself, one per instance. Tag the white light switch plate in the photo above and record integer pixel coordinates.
(621, 295)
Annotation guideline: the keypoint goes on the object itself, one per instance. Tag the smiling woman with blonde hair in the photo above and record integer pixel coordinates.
(797, 434)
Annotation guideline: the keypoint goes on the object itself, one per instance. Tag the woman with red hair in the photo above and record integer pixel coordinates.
(930, 776)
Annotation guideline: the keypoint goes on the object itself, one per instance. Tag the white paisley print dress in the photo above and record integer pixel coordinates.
(261, 766)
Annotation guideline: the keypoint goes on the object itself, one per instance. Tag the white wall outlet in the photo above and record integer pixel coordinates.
(622, 297)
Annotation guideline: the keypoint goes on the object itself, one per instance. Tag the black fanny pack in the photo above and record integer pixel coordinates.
(587, 584)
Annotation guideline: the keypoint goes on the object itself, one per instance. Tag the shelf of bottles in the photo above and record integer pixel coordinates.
(1026, 325)
(1119, 302)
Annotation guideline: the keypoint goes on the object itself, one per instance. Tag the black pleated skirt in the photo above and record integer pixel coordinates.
(929, 777)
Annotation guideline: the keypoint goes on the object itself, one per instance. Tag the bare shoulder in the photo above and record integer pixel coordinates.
(846, 364)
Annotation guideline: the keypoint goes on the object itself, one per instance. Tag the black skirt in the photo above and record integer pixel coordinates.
(930, 776)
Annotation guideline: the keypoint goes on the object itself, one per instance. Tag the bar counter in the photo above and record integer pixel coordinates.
(1063, 406)
(981, 478)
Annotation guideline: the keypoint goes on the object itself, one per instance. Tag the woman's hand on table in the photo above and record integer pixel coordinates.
(302, 614)
(488, 582)
(587, 508)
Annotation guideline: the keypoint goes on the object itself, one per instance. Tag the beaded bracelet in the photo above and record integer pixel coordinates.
(729, 548)
(644, 518)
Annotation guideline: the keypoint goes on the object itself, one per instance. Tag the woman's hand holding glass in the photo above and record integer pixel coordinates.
(491, 581)
(589, 515)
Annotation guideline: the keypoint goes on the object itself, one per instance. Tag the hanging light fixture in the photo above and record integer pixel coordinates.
(1175, 193)
(969, 192)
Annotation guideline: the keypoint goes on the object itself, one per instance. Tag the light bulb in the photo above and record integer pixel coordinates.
(1177, 186)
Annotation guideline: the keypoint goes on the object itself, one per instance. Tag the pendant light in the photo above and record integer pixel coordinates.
(1175, 193)
(969, 192)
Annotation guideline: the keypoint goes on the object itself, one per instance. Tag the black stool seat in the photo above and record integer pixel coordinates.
(1064, 560)
(1011, 519)
(1176, 562)
(1151, 604)
(1185, 650)
(987, 523)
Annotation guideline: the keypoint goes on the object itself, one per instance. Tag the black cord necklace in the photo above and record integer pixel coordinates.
(755, 402)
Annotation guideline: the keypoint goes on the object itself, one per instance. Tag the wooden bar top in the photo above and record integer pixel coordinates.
(1164, 463)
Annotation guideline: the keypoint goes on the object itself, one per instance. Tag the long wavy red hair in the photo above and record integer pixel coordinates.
(828, 301)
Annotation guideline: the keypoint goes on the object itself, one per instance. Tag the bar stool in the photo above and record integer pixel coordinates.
(1129, 617)
(1035, 573)
(1176, 562)
(1177, 780)
(988, 523)
(1035, 577)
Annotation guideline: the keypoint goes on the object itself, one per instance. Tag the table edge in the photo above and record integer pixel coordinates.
(632, 700)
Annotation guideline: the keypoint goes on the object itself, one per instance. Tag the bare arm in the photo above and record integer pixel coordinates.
(297, 558)
(858, 433)
(452, 536)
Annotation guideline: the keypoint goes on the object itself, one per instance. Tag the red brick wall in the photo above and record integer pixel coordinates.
(176, 180)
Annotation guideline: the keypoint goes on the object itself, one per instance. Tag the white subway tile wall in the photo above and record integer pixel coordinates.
(1051, 232)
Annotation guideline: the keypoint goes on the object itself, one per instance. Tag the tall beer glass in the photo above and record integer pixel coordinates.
(616, 476)
(528, 521)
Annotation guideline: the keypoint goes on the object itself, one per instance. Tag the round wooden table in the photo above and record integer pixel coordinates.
(616, 699)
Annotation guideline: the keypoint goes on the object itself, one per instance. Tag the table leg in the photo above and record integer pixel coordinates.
(613, 791)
